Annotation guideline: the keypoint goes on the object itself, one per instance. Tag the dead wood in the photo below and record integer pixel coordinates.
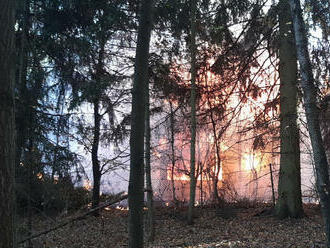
(120, 197)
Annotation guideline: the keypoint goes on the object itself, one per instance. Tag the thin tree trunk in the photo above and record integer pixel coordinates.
(193, 113)
(95, 160)
(30, 166)
(217, 150)
(136, 177)
(150, 215)
(218, 161)
(289, 203)
(312, 114)
(97, 173)
(272, 183)
(172, 124)
(216, 173)
(7, 124)
(201, 188)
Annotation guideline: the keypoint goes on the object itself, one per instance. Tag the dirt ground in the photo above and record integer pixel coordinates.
(232, 227)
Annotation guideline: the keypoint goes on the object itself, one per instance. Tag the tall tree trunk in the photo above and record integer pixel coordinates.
(136, 177)
(150, 215)
(193, 113)
(22, 106)
(95, 160)
(172, 124)
(289, 202)
(218, 160)
(217, 167)
(7, 124)
(97, 171)
(312, 114)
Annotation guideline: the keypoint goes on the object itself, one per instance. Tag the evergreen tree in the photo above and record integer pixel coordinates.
(42, 147)
(85, 46)
(7, 123)
(312, 113)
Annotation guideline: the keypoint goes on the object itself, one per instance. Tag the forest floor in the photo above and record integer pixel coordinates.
(230, 227)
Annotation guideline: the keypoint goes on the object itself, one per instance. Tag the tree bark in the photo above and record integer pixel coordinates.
(97, 171)
(272, 183)
(217, 167)
(193, 113)
(30, 166)
(150, 204)
(95, 160)
(22, 106)
(136, 177)
(312, 114)
(7, 124)
(289, 203)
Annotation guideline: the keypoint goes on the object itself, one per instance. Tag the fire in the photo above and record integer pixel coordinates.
(87, 185)
(56, 178)
(184, 177)
(253, 161)
(156, 154)
(250, 161)
(177, 176)
(163, 141)
(223, 148)
(220, 174)
(39, 176)
(122, 208)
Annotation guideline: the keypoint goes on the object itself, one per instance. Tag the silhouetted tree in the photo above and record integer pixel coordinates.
(312, 113)
(193, 73)
(136, 177)
(7, 123)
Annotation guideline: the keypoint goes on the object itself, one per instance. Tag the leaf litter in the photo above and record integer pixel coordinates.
(211, 228)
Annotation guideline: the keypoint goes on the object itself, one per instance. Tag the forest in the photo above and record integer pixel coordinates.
(164, 123)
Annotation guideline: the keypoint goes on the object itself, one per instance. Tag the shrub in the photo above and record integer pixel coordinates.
(79, 197)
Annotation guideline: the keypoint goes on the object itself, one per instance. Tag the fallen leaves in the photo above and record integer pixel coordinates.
(209, 230)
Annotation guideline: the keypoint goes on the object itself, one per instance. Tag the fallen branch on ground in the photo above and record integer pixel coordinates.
(120, 197)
